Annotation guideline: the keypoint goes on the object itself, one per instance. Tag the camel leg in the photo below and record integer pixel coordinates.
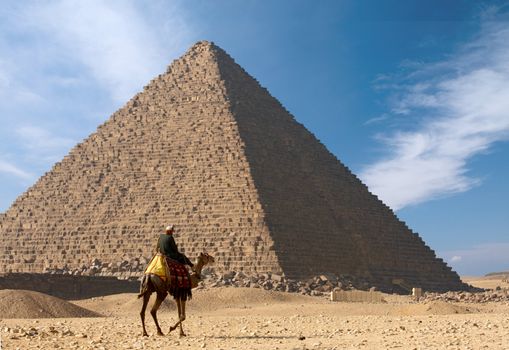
(179, 308)
(146, 298)
(153, 312)
(182, 317)
(172, 328)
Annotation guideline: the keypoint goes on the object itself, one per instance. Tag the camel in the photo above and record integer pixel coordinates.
(152, 283)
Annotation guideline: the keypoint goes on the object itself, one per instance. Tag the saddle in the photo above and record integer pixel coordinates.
(173, 273)
(157, 266)
(178, 274)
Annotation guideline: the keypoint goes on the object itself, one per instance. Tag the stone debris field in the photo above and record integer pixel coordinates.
(253, 318)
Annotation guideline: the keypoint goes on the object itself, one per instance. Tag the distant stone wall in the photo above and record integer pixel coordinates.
(68, 286)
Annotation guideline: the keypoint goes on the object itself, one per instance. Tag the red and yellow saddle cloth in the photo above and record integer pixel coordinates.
(157, 266)
(179, 276)
(169, 269)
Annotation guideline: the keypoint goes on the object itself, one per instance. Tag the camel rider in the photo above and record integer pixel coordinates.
(166, 245)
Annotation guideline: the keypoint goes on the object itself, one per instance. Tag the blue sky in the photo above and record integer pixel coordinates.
(413, 96)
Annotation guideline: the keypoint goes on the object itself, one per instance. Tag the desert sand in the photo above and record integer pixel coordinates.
(488, 282)
(30, 304)
(244, 318)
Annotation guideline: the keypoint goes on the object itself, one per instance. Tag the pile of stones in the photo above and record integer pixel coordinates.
(40, 332)
(125, 269)
(497, 295)
(317, 286)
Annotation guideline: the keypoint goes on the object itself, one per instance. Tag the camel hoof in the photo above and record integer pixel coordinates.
(145, 334)
(183, 335)
(160, 333)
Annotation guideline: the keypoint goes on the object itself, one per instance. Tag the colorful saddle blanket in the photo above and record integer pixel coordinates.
(157, 266)
(179, 276)
(171, 270)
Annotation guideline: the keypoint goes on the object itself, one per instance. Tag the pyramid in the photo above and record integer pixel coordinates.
(206, 148)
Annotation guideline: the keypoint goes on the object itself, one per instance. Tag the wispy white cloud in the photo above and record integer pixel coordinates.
(12, 169)
(4, 80)
(455, 259)
(65, 63)
(457, 108)
(10, 90)
(376, 119)
(41, 145)
(112, 39)
(107, 48)
(479, 259)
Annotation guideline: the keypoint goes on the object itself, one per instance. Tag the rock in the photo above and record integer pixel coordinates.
(323, 278)
(228, 275)
(67, 332)
(240, 276)
(276, 277)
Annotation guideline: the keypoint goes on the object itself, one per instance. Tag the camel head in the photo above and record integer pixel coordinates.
(206, 258)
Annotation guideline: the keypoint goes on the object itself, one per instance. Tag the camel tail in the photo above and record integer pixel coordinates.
(143, 285)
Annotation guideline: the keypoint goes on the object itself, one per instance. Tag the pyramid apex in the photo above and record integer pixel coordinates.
(205, 46)
(202, 45)
(200, 50)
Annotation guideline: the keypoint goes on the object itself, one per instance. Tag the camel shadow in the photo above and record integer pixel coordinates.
(253, 337)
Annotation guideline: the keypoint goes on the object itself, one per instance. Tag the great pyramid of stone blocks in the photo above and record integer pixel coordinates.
(205, 147)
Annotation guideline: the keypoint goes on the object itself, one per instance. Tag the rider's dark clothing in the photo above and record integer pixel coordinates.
(166, 245)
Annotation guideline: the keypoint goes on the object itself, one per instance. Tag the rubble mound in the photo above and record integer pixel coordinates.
(315, 286)
(497, 295)
(30, 304)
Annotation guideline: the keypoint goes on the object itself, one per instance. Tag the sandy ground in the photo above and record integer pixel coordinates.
(237, 318)
(30, 304)
(487, 282)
